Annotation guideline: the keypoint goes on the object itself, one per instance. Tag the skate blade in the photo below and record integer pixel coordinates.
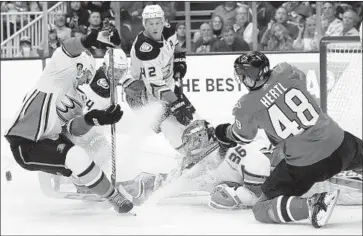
(330, 210)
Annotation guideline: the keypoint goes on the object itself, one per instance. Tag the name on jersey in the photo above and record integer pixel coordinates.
(269, 98)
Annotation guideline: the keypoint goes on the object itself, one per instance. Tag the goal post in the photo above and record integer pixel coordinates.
(341, 81)
(341, 97)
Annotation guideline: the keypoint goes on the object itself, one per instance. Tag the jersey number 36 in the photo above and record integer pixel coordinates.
(300, 105)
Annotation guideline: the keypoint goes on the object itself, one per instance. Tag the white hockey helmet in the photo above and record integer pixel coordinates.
(87, 63)
(152, 11)
(120, 63)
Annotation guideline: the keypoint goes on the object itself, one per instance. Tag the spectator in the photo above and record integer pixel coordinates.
(94, 20)
(35, 6)
(227, 11)
(350, 19)
(307, 40)
(26, 49)
(331, 25)
(78, 31)
(22, 6)
(300, 13)
(104, 8)
(76, 16)
(53, 42)
(180, 34)
(265, 12)
(12, 22)
(130, 28)
(243, 27)
(229, 42)
(63, 32)
(281, 18)
(206, 39)
(279, 39)
(290, 7)
(217, 25)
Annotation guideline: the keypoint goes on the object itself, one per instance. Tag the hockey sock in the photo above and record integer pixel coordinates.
(95, 179)
(89, 174)
(289, 208)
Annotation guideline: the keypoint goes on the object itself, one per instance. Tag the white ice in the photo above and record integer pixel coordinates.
(25, 210)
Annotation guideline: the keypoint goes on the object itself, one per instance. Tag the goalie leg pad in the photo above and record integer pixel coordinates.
(226, 197)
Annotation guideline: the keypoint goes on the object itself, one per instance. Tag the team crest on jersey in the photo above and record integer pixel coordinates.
(145, 47)
(103, 83)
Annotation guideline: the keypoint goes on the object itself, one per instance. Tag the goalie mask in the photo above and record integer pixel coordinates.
(198, 141)
(119, 64)
(252, 69)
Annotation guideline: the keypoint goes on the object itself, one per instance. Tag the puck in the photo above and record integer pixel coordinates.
(8, 176)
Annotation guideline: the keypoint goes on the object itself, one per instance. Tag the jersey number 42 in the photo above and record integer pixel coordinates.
(298, 103)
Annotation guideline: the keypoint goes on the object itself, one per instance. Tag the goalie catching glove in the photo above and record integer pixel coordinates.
(104, 117)
(182, 113)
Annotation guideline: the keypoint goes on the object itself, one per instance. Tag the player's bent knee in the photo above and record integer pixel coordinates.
(77, 160)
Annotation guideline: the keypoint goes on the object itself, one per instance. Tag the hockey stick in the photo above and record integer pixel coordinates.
(113, 96)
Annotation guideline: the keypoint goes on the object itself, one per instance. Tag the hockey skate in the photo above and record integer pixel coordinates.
(119, 202)
(321, 206)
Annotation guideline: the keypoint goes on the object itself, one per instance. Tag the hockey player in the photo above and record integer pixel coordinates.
(54, 104)
(313, 147)
(96, 95)
(244, 167)
(155, 67)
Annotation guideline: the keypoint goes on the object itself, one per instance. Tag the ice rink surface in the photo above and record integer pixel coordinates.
(25, 210)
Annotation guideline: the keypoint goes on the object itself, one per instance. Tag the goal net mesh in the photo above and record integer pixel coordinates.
(344, 76)
(344, 105)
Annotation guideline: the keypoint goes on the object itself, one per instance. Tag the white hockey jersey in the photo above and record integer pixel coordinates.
(152, 61)
(53, 100)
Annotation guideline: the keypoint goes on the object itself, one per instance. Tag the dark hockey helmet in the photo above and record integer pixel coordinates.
(252, 69)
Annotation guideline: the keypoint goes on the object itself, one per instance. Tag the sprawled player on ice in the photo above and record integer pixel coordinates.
(310, 146)
(56, 104)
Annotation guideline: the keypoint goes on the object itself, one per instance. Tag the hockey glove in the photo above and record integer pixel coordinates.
(90, 39)
(180, 65)
(221, 135)
(104, 117)
(181, 112)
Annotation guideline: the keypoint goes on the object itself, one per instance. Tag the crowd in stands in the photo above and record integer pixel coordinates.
(281, 26)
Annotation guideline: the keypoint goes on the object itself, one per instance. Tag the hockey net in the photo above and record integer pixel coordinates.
(341, 97)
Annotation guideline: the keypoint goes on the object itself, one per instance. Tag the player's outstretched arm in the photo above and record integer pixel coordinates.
(82, 124)
(73, 47)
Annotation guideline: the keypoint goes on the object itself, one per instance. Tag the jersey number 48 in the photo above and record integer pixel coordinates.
(300, 105)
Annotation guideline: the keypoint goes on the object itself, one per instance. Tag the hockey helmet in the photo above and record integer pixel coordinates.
(86, 64)
(119, 63)
(152, 11)
(252, 69)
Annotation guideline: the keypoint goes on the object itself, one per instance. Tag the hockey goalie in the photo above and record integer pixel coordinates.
(231, 177)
